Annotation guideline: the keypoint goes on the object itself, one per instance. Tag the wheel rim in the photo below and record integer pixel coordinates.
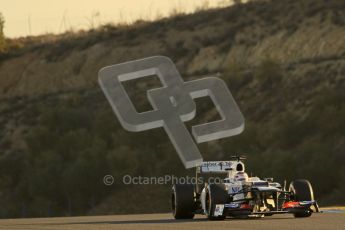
(208, 203)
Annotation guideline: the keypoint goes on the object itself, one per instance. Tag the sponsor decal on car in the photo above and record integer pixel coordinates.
(218, 211)
(232, 205)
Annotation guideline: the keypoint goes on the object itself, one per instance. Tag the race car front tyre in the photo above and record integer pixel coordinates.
(182, 201)
(302, 191)
(215, 194)
(302, 213)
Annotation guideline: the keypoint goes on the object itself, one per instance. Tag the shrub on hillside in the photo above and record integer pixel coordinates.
(269, 72)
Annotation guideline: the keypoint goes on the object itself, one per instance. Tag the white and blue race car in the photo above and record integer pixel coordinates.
(238, 195)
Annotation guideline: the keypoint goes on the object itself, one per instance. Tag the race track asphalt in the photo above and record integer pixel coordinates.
(329, 221)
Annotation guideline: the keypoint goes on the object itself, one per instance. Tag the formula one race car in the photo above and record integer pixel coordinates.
(238, 195)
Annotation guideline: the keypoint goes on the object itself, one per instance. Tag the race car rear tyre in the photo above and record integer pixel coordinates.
(302, 191)
(215, 194)
(182, 201)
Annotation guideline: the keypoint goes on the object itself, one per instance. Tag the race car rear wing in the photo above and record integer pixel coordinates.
(216, 166)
